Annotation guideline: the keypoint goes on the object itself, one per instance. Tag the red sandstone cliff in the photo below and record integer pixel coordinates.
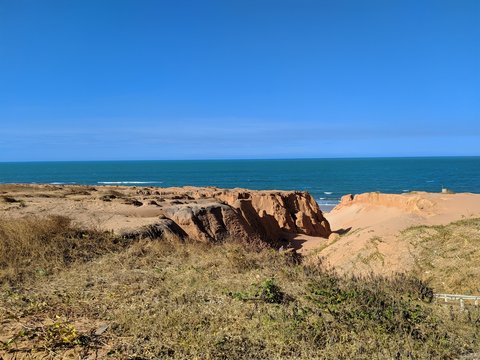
(204, 214)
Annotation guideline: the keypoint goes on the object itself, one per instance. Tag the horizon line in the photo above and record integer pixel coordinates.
(249, 159)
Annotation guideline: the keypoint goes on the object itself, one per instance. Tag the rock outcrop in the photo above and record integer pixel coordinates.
(206, 214)
(161, 229)
(247, 214)
(211, 222)
(279, 211)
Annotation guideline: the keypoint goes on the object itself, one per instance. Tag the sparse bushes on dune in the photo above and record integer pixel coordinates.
(447, 256)
(39, 246)
(166, 299)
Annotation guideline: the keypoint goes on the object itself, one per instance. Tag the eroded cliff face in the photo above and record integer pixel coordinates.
(280, 211)
(211, 222)
(248, 214)
(409, 202)
(205, 214)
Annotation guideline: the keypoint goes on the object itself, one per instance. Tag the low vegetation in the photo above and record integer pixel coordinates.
(33, 246)
(447, 256)
(98, 296)
(12, 201)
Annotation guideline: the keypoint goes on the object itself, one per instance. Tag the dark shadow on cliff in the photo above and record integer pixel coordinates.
(297, 244)
(342, 231)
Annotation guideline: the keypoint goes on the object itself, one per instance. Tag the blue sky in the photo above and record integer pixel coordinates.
(100, 80)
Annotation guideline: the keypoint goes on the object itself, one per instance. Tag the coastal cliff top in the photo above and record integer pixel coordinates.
(206, 214)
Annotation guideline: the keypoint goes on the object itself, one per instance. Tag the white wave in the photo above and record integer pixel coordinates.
(327, 205)
(328, 192)
(327, 202)
(406, 190)
(128, 182)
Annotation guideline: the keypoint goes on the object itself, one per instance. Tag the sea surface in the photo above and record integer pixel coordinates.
(326, 179)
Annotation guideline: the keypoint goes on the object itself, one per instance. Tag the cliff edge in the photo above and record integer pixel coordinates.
(205, 214)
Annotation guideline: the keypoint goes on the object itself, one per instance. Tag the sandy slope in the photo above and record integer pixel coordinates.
(368, 227)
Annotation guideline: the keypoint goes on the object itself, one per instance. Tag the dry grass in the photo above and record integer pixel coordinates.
(448, 256)
(163, 299)
(33, 246)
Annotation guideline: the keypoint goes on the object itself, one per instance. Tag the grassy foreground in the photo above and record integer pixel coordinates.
(447, 256)
(70, 293)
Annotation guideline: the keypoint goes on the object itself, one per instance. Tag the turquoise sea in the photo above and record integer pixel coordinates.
(326, 179)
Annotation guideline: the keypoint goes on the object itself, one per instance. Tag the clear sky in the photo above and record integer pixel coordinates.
(176, 79)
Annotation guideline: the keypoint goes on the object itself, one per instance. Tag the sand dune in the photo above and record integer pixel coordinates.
(367, 227)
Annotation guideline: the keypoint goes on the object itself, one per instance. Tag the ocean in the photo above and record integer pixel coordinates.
(326, 179)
